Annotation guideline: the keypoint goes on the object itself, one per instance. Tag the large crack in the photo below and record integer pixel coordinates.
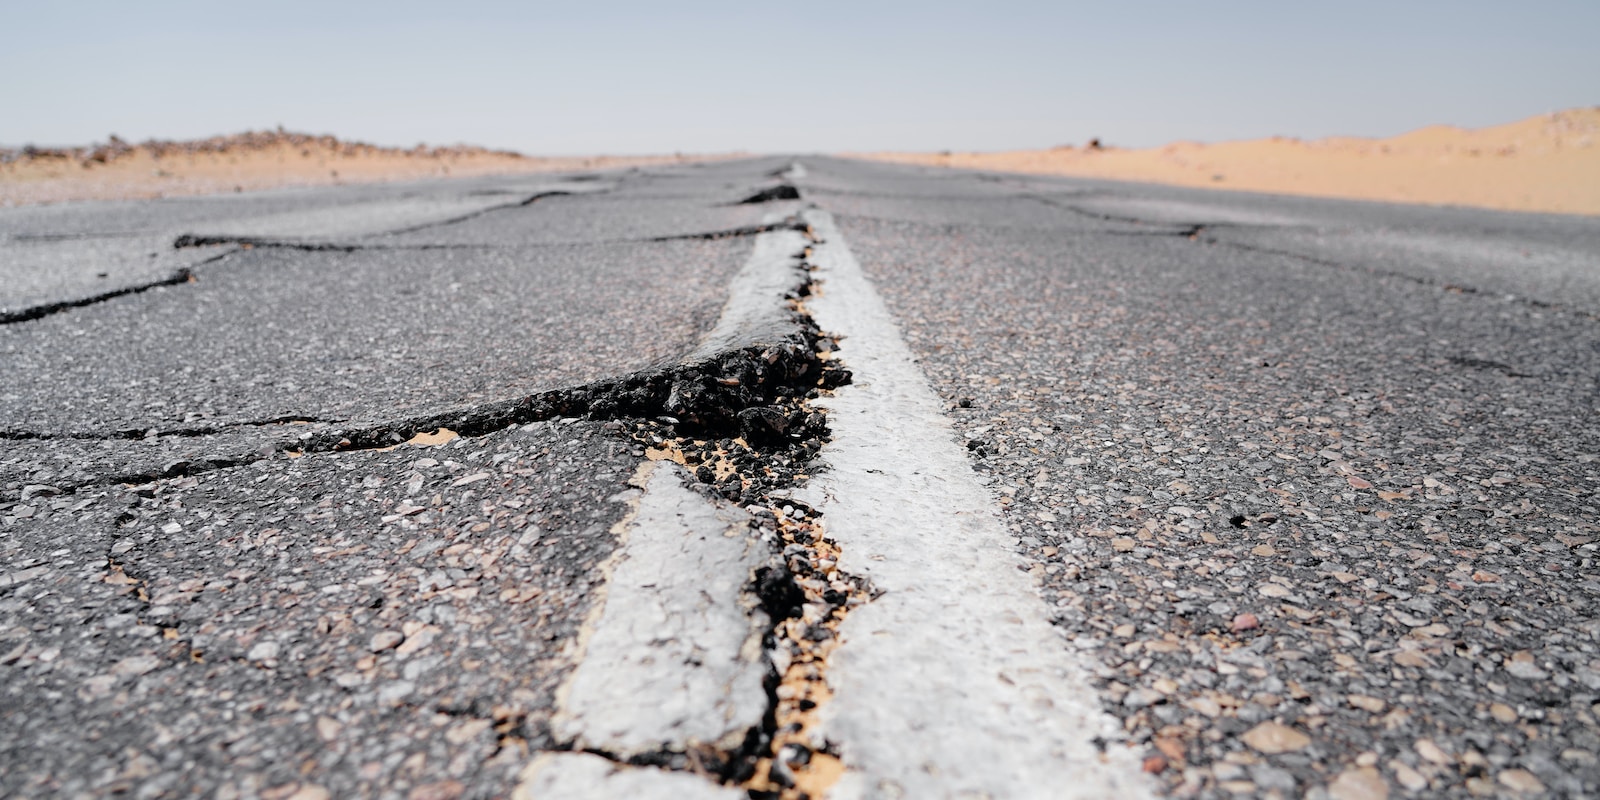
(783, 191)
(527, 201)
(179, 276)
(135, 434)
(72, 237)
(1198, 232)
(792, 224)
(237, 243)
(190, 240)
(747, 392)
(803, 594)
(743, 392)
(808, 598)
(1420, 280)
(251, 242)
(1173, 229)
(202, 240)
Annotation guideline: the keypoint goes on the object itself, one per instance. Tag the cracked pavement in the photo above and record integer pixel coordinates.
(207, 592)
(1310, 483)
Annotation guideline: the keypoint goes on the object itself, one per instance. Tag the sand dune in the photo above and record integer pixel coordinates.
(256, 160)
(1545, 163)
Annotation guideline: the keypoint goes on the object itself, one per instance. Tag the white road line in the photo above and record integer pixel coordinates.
(755, 312)
(581, 776)
(674, 657)
(952, 683)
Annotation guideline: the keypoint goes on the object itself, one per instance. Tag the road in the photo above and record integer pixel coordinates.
(797, 476)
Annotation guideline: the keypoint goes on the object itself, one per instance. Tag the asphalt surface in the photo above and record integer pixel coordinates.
(387, 619)
(1312, 482)
(1369, 428)
(196, 602)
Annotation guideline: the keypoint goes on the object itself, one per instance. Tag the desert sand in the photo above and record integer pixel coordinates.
(1546, 163)
(243, 162)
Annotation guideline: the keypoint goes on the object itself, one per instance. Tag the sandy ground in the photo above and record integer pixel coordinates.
(1545, 163)
(245, 162)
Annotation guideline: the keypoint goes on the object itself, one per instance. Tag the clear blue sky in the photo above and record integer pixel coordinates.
(633, 77)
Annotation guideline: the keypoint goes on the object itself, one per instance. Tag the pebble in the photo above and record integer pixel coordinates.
(1521, 781)
(263, 651)
(1270, 777)
(1142, 698)
(1366, 703)
(310, 791)
(1582, 758)
(1411, 779)
(1359, 783)
(136, 665)
(1431, 752)
(1272, 738)
(1522, 666)
(1502, 713)
(384, 640)
(1245, 622)
(1224, 771)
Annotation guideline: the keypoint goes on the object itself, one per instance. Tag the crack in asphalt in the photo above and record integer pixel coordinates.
(754, 396)
(201, 240)
(135, 434)
(528, 201)
(241, 243)
(736, 393)
(783, 191)
(801, 592)
(1485, 364)
(1197, 232)
(748, 392)
(251, 243)
(1420, 280)
(790, 224)
(930, 196)
(1101, 215)
(72, 237)
(950, 227)
(1201, 232)
(179, 276)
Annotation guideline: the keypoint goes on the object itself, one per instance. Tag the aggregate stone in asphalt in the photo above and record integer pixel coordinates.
(366, 623)
(1329, 530)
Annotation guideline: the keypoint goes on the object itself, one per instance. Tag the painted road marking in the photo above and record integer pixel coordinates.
(952, 682)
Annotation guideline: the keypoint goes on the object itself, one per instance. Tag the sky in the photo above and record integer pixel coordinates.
(684, 76)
